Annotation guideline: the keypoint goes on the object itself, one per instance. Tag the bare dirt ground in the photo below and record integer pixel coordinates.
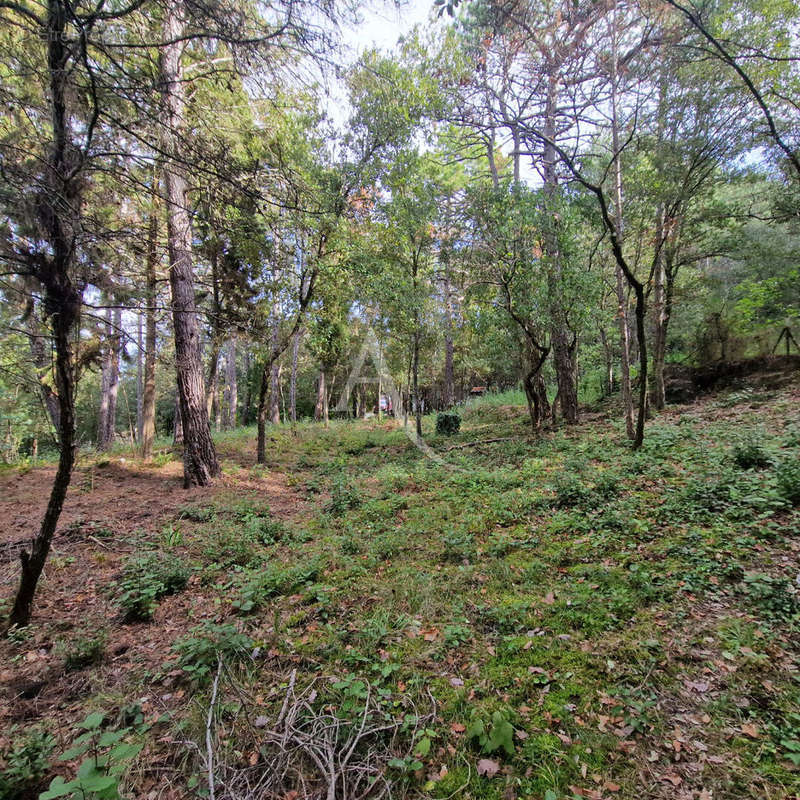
(76, 594)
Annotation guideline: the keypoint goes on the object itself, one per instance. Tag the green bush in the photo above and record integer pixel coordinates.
(788, 475)
(344, 496)
(274, 580)
(749, 453)
(25, 764)
(202, 648)
(107, 756)
(145, 580)
(774, 597)
(448, 423)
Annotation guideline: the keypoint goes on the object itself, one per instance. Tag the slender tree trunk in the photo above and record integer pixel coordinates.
(149, 393)
(293, 378)
(275, 374)
(212, 377)
(58, 203)
(319, 406)
(622, 306)
(231, 388)
(562, 347)
(43, 361)
(109, 426)
(139, 376)
(449, 391)
(63, 302)
(261, 415)
(105, 386)
(274, 393)
(248, 388)
(415, 379)
(200, 464)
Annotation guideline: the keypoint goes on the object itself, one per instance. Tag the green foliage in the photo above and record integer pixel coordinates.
(25, 763)
(775, 598)
(787, 473)
(108, 754)
(459, 546)
(273, 580)
(205, 645)
(448, 423)
(344, 496)
(749, 452)
(145, 580)
(491, 735)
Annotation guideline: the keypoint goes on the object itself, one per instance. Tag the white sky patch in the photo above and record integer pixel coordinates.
(381, 26)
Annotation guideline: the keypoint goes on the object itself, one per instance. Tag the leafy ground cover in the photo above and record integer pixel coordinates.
(529, 617)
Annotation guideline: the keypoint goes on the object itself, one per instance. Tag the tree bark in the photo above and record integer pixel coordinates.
(107, 427)
(57, 208)
(105, 385)
(622, 306)
(293, 378)
(319, 406)
(177, 435)
(563, 349)
(449, 390)
(275, 375)
(200, 464)
(139, 376)
(149, 393)
(231, 387)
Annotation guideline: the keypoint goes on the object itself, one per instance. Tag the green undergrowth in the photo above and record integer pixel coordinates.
(558, 598)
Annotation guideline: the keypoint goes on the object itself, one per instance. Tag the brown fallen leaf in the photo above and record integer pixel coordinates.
(750, 729)
(549, 599)
(675, 780)
(610, 786)
(488, 767)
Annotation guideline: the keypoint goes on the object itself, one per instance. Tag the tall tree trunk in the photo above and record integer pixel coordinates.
(293, 378)
(63, 304)
(319, 406)
(248, 388)
(449, 392)
(139, 375)
(275, 374)
(662, 312)
(212, 381)
(231, 387)
(57, 205)
(43, 361)
(562, 342)
(275, 393)
(149, 393)
(200, 464)
(622, 305)
(415, 379)
(105, 386)
(109, 421)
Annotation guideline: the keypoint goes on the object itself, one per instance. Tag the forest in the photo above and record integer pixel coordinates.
(399, 409)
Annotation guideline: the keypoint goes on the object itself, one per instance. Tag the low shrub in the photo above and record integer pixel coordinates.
(205, 645)
(448, 423)
(25, 763)
(84, 650)
(787, 473)
(145, 580)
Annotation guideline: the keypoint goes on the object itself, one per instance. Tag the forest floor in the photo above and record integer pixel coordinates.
(546, 617)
